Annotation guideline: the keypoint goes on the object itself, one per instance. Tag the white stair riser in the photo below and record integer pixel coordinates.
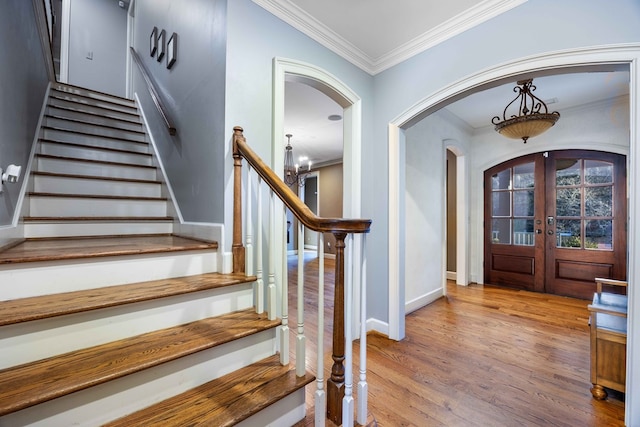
(56, 184)
(34, 278)
(88, 329)
(88, 153)
(97, 130)
(99, 404)
(74, 206)
(91, 109)
(87, 168)
(88, 228)
(95, 140)
(92, 118)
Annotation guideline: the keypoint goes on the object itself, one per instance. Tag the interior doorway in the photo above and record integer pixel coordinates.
(555, 221)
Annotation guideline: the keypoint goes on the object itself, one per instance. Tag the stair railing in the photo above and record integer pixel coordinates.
(338, 399)
(155, 96)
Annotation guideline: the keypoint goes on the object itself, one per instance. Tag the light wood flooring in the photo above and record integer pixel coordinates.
(482, 356)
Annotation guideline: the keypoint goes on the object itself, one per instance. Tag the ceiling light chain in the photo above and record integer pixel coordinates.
(532, 119)
(292, 171)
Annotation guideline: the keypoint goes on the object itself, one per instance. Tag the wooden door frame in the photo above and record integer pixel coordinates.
(576, 59)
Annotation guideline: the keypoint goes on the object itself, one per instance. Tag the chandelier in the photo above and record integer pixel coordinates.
(532, 119)
(293, 171)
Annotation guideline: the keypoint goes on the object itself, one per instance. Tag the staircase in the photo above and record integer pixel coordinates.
(109, 318)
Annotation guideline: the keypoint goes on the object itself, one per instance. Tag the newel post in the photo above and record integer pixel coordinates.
(237, 249)
(335, 384)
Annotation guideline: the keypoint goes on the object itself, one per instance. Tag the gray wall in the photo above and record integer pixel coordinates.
(24, 81)
(99, 27)
(194, 91)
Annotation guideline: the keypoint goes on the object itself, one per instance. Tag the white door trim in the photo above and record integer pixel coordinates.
(289, 69)
(579, 59)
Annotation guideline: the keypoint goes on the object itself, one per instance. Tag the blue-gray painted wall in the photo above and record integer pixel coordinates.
(23, 83)
(194, 91)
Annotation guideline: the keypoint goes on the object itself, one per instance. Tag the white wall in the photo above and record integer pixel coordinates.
(98, 29)
(424, 205)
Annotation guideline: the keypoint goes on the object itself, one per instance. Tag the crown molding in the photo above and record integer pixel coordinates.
(307, 24)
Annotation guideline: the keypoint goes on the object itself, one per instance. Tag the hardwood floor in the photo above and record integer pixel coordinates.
(482, 356)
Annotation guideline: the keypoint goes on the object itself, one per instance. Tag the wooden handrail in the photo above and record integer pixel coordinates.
(339, 227)
(154, 93)
(290, 199)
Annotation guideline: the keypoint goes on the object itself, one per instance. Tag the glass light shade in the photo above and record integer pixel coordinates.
(525, 127)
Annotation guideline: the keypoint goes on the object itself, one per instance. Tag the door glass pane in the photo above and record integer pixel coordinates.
(501, 180)
(597, 172)
(567, 172)
(598, 201)
(523, 232)
(501, 203)
(598, 234)
(501, 231)
(568, 233)
(523, 176)
(523, 203)
(568, 202)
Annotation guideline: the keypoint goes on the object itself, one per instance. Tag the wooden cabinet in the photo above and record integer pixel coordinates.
(608, 323)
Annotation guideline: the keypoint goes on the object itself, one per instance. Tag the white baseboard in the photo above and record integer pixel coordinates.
(452, 275)
(422, 300)
(378, 326)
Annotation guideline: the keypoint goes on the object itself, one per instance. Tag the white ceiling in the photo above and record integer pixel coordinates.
(377, 34)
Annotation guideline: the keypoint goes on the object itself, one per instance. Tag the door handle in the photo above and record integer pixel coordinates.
(538, 231)
(550, 220)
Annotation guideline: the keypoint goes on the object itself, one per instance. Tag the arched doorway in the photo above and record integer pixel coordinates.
(590, 58)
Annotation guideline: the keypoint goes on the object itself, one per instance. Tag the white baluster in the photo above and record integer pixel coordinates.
(300, 338)
(284, 327)
(363, 387)
(271, 282)
(284, 285)
(347, 401)
(259, 279)
(320, 395)
(249, 239)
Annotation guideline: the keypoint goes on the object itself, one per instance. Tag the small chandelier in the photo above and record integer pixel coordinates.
(292, 171)
(533, 117)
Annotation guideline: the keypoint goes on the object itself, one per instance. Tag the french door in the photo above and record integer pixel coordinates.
(555, 221)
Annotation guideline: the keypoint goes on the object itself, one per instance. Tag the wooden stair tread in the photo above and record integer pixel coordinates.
(106, 98)
(99, 246)
(99, 125)
(103, 162)
(93, 135)
(32, 383)
(95, 196)
(89, 113)
(60, 304)
(97, 218)
(95, 177)
(97, 107)
(93, 147)
(224, 401)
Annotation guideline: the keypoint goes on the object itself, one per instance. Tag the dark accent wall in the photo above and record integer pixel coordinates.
(194, 91)
(23, 84)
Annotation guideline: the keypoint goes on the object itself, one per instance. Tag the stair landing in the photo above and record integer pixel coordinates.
(34, 250)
